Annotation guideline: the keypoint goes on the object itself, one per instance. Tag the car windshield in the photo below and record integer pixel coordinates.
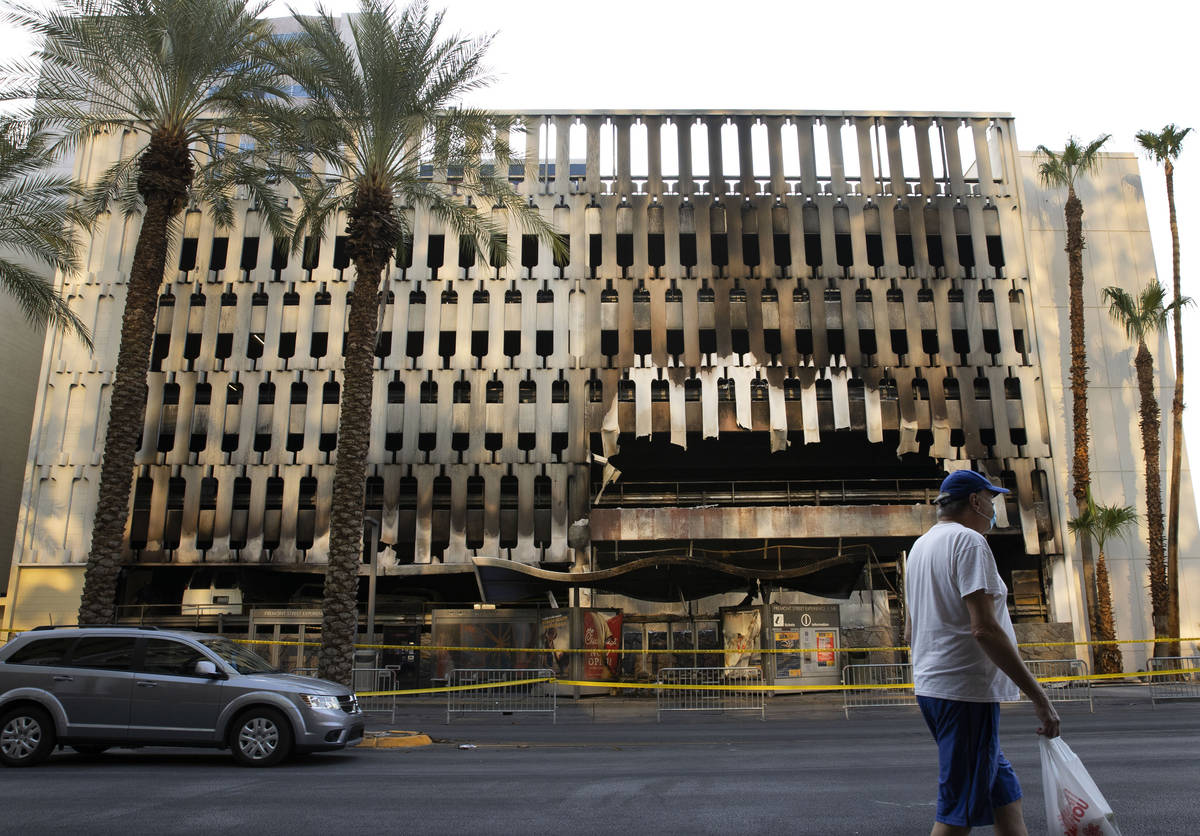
(241, 659)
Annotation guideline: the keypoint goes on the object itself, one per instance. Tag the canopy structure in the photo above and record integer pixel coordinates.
(665, 578)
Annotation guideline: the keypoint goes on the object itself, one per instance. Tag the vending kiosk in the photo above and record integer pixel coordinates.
(805, 638)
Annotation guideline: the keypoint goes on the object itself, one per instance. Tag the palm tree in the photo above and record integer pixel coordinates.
(1099, 522)
(377, 108)
(1062, 170)
(182, 76)
(38, 214)
(1164, 147)
(1142, 316)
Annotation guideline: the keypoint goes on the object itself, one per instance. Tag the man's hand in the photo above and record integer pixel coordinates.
(1048, 717)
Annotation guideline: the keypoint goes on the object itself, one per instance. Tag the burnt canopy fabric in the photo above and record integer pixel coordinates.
(665, 578)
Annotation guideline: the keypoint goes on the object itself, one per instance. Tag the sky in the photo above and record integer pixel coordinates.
(1060, 68)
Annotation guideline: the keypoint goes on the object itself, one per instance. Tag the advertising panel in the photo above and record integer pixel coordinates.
(601, 641)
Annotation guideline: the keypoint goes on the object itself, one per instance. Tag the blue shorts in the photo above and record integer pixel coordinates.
(974, 777)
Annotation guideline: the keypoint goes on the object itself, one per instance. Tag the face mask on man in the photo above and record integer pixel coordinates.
(991, 519)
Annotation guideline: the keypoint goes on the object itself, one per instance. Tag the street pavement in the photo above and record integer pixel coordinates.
(607, 766)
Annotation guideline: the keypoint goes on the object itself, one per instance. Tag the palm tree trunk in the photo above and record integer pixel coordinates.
(165, 173)
(1149, 423)
(1080, 468)
(1176, 433)
(371, 235)
(1108, 656)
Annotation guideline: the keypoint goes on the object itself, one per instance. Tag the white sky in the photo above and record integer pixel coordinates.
(1060, 68)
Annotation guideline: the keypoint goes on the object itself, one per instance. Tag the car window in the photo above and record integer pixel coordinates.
(241, 659)
(110, 653)
(42, 652)
(165, 656)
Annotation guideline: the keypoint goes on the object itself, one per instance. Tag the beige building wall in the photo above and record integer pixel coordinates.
(1118, 252)
(21, 348)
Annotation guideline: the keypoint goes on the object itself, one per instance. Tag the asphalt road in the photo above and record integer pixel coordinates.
(608, 767)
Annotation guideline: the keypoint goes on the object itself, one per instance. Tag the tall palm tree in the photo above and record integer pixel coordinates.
(38, 216)
(1164, 147)
(1141, 317)
(182, 76)
(1059, 170)
(377, 108)
(1099, 522)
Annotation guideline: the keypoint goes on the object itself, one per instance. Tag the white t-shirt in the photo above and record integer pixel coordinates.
(947, 563)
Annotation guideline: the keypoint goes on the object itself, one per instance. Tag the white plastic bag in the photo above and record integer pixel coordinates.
(1074, 805)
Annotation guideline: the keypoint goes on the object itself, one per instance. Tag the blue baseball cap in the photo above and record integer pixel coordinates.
(962, 483)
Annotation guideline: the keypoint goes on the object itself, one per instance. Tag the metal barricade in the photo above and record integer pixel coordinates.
(872, 686)
(1075, 690)
(1178, 678)
(683, 689)
(366, 680)
(376, 679)
(501, 691)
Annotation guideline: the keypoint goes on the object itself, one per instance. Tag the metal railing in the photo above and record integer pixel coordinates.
(884, 685)
(366, 680)
(873, 686)
(678, 690)
(501, 691)
(1182, 684)
(1077, 690)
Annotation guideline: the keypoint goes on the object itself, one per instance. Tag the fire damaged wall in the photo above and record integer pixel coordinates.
(791, 275)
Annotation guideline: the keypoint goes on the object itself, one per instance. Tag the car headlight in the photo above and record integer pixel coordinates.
(321, 702)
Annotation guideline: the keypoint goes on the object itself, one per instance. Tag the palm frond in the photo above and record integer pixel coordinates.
(40, 301)
(195, 71)
(1062, 169)
(1165, 145)
(1139, 316)
(1101, 522)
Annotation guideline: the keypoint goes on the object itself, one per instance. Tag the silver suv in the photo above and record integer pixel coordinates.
(97, 687)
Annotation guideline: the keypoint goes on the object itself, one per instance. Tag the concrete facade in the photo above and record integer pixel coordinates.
(792, 278)
(1118, 252)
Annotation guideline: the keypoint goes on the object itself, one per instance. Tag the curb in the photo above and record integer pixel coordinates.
(393, 739)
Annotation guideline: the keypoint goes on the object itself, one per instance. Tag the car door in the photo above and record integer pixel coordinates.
(94, 687)
(171, 703)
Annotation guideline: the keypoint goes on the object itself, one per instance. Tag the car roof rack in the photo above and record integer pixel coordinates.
(94, 627)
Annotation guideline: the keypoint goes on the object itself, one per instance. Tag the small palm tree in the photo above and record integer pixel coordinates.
(38, 214)
(1164, 147)
(1141, 317)
(182, 76)
(1099, 522)
(1060, 170)
(376, 109)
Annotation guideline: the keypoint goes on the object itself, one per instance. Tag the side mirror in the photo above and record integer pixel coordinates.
(208, 669)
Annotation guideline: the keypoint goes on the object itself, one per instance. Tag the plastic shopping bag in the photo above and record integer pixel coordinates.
(1074, 805)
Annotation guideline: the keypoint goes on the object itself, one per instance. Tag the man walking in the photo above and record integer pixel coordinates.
(965, 660)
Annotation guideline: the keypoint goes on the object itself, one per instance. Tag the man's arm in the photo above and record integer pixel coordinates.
(1003, 653)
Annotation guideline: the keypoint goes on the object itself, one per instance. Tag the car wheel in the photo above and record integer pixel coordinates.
(260, 737)
(91, 749)
(26, 736)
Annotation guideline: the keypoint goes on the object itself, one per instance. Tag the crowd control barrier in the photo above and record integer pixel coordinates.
(1184, 685)
(873, 686)
(365, 681)
(678, 690)
(501, 691)
(1075, 690)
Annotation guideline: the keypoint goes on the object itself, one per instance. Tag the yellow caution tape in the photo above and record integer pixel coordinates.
(892, 686)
